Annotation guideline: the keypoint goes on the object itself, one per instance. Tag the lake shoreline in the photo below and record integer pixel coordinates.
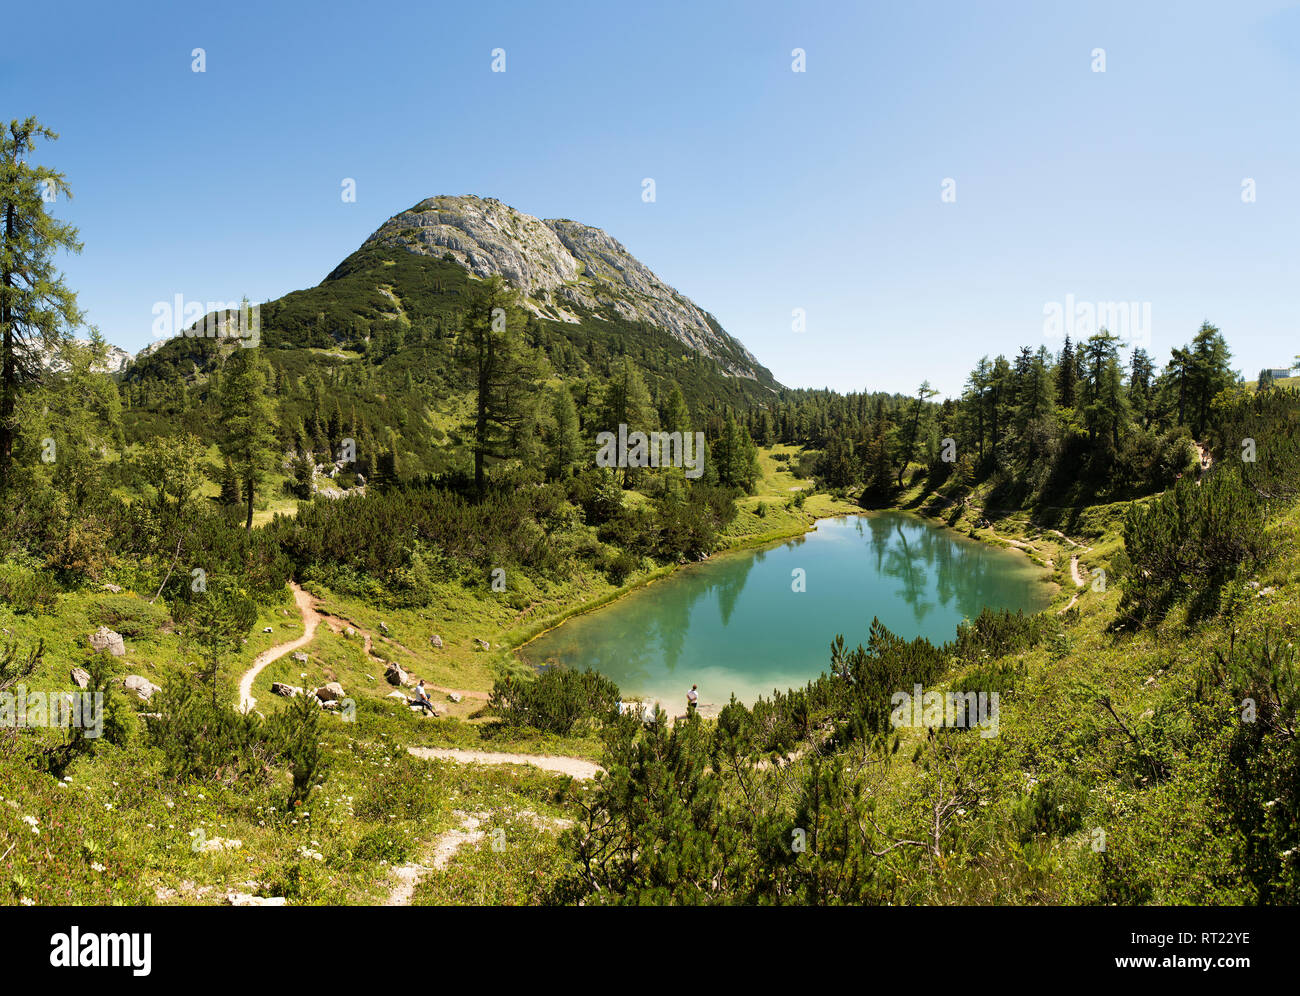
(743, 544)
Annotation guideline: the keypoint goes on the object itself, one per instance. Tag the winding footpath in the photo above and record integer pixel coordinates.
(574, 767)
(310, 619)
(1076, 574)
(335, 623)
(406, 877)
(1074, 571)
(1078, 581)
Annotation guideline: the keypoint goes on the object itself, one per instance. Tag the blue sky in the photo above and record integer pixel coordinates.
(775, 190)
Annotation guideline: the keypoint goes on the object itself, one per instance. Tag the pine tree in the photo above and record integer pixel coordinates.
(385, 475)
(566, 438)
(1140, 381)
(1177, 377)
(81, 411)
(1066, 376)
(502, 371)
(334, 428)
(229, 495)
(1210, 373)
(675, 415)
(37, 310)
(1102, 394)
(248, 420)
(217, 620)
(877, 471)
(923, 394)
(838, 465)
(627, 402)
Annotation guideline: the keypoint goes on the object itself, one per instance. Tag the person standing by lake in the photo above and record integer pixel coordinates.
(692, 699)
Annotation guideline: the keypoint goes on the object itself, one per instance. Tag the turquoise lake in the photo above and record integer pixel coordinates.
(734, 624)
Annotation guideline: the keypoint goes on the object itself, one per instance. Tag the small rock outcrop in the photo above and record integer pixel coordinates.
(80, 677)
(330, 692)
(105, 639)
(394, 675)
(141, 686)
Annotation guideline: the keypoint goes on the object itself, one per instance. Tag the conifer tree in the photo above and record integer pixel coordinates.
(37, 309)
(216, 621)
(1140, 381)
(248, 420)
(1102, 395)
(923, 394)
(502, 371)
(229, 495)
(675, 415)
(627, 402)
(1066, 375)
(566, 439)
(1210, 373)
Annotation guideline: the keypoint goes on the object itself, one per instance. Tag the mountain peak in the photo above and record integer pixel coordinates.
(563, 267)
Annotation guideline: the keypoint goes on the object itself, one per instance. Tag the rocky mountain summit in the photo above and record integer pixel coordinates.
(562, 267)
(115, 361)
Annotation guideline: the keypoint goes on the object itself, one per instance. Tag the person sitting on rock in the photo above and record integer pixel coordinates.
(422, 699)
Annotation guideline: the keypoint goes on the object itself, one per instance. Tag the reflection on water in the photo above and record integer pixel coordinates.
(734, 624)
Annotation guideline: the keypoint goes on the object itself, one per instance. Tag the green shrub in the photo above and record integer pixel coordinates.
(1055, 807)
(621, 567)
(27, 592)
(295, 735)
(556, 700)
(997, 633)
(1189, 542)
(208, 741)
(1257, 781)
(132, 617)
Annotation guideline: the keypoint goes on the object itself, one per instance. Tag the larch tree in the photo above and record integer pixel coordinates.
(627, 402)
(923, 394)
(1210, 373)
(248, 419)
(565, 435)
(502, 371)
(37, 309)
(1066, 373)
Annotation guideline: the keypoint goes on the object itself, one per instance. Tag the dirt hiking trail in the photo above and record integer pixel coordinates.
(310, 619)
(575, 767)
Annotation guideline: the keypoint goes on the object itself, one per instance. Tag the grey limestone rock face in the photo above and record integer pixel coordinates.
(560, 265)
